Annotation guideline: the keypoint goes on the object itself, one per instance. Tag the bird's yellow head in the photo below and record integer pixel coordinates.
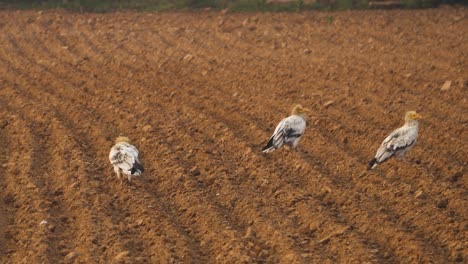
(122, 139)
(411, 116)
(299, 110)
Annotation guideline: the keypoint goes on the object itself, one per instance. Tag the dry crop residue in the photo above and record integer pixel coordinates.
(200, 93)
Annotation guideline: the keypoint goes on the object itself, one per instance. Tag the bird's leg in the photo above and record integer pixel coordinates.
(295, 143)
(403, 159)
(118, 174)
(294, 148)
(400, 156)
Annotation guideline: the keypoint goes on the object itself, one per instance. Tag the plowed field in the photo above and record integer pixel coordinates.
(199, 94)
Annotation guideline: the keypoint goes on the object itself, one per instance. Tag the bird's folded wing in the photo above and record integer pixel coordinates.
(400, 139)
(289, 129)
(124, 157)
(279, 133)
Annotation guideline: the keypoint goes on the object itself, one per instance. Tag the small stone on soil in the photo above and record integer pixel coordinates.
(195, 171)
(443, 203)
(249, 232)
(328, 103)
(188, 57)
(3, 124)
(148, 128)
(419, 194)
(455, 177)
(121, 255)
(70, 257)
(446, 86)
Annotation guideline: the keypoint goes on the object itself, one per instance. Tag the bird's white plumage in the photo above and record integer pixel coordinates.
(124, 158)
(288, 131)
(397, 143)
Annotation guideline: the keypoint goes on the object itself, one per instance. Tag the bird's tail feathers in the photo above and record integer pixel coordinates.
(137, 169)
(269, 147)
(268, 150)
(372, 164)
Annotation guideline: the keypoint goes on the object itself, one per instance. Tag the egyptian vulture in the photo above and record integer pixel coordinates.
(399, 141)
(124, 158)
(289, 130)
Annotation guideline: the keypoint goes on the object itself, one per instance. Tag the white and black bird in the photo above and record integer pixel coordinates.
(124, 158)
(289, 130)
(399, 141)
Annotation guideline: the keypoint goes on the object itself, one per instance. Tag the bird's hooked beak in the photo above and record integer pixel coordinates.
(306, 110)
(418, 116)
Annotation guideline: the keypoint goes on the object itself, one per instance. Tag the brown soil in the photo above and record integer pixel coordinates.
(200, 93)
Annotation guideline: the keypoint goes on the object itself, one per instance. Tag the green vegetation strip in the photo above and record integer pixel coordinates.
(232, 5)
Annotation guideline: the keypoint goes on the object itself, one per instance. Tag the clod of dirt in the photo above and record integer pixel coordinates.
(245, 22)
(264, 254)
(328, 103)
(148, 128)
(458, 257)
(307, 51)
(51, 228)
(249, 233)
(462, 83)
(70, 257)
(419, 194)
(3, 124)
(9, 199)
(140, 222)
(252, 28)
(337, 232)
(446, 86)
(74, 185)
(455, 177)
(57, 192)
(180, 176)
(188, 57)
(189, 184)
(313, 226)
(195, 171)
(443, 203)
(345, 140)
(121, 255)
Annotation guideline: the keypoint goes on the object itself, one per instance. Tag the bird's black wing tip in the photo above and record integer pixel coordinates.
(372, 163)
(137, 167)
(268, 145)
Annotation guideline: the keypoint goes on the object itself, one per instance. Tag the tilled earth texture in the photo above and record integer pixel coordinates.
(200, 94)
